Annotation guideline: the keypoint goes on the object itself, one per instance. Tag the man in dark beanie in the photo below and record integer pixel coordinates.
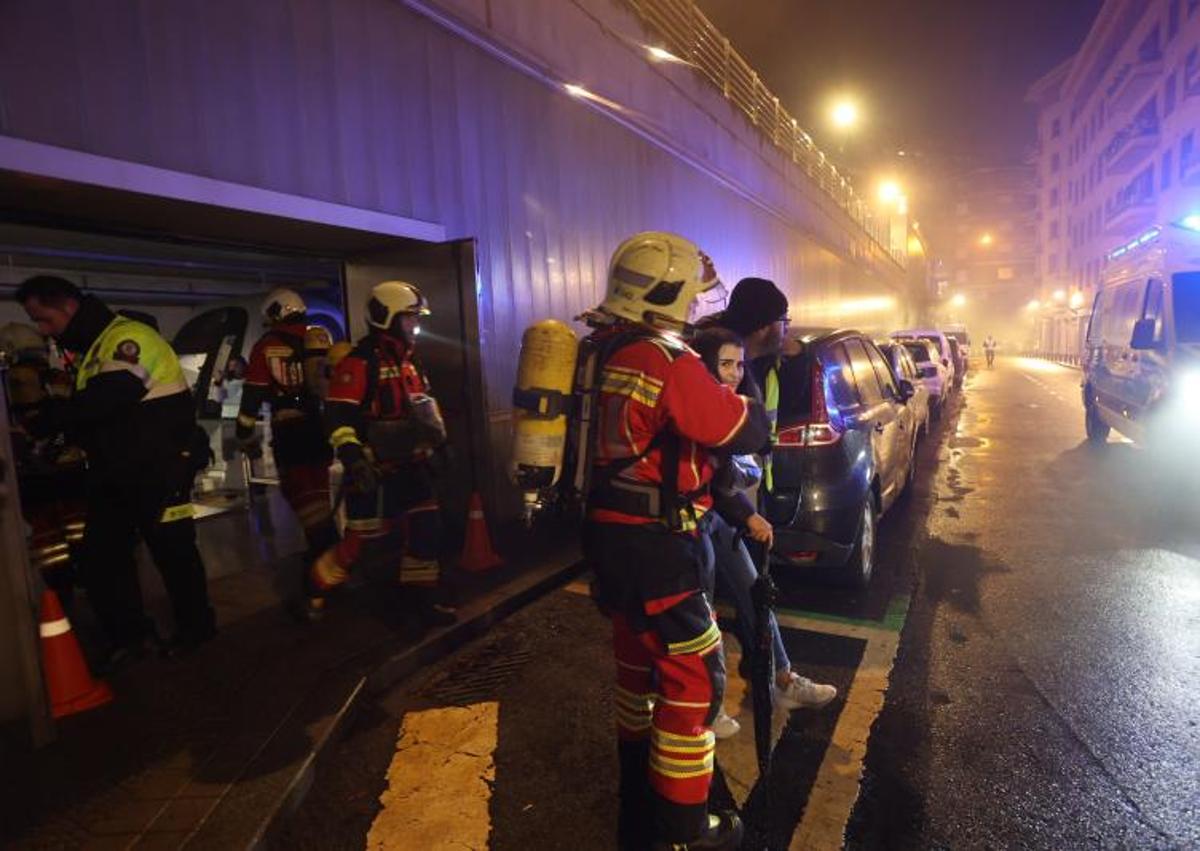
(757, 313)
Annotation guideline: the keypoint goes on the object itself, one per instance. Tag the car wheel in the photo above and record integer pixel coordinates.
(862, 558)
(1097, 430)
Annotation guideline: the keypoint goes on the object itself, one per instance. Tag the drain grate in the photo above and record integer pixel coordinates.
(482, 678)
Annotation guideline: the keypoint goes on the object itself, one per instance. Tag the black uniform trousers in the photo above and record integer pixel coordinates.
(152, 498)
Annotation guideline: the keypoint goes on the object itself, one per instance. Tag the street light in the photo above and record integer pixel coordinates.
(1034, 304)
(1076, 301)
(1060, 296)
(986, 239)
(844, 114)
(959, 300)
(890, 192)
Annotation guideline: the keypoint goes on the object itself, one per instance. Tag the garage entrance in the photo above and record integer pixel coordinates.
(199, 271)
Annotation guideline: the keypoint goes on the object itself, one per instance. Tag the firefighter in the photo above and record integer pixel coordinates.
(133, 415)
(659, 413)
(285, 371)
(50, 471)
(386, 429)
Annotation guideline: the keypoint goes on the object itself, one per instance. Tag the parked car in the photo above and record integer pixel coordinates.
(903, 367)
(930, 370)
(1141, 366)
(843, 455)
(959, 332)
(945, 356)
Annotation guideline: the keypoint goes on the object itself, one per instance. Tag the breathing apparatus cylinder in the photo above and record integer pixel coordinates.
(542, 401)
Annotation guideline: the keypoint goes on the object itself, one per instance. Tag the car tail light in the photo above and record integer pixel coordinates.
(806, 555)
(818, 429)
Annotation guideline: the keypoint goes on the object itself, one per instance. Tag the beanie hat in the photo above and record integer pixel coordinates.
(755, 302)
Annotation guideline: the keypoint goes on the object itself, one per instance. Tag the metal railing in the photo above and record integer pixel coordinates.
(689, 35)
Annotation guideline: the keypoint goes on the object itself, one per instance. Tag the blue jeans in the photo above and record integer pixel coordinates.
(735, 575)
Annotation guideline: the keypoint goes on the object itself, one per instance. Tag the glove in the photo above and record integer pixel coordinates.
(251, 447)
(360, 473)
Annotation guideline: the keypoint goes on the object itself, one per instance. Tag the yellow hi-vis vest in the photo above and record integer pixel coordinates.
(771, 403)
(134, 347)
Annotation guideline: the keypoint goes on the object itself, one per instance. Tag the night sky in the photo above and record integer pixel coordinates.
(944, 77)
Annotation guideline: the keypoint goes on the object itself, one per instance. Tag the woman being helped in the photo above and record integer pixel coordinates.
(724, 355)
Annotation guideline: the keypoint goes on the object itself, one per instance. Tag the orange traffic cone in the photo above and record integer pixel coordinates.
(68, 680)
(477, 553)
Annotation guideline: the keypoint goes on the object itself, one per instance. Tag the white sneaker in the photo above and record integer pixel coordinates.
(725, 726)
(803, 693)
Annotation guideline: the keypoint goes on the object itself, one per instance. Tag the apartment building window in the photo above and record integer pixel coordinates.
(1172, 20)
(1169, 95)
(1166, 170)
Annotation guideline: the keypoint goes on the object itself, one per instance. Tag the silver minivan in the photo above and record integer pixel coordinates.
(1141, 366)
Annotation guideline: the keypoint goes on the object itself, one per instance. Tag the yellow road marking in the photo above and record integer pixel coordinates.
(439, 782)
(835, 790)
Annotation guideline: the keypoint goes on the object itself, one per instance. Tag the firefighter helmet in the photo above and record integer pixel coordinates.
(20, 343)
(280, 304)
(656, 275)
(394, 298)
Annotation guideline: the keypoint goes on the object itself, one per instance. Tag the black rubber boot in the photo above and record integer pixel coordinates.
(724, 833)
(635, 815)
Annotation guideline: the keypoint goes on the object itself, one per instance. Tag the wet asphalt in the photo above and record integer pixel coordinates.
(1044, 694)
(1045, 691)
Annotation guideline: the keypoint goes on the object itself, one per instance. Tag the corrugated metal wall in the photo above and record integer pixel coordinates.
(371, 104)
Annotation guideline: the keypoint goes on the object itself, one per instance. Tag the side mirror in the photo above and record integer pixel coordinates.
(907, 391)
(1143, 335)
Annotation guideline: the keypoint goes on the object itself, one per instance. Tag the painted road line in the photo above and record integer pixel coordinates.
(440, 779)
(835, 791)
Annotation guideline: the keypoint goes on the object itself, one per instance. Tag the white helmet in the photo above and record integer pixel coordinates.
(656, 275)
(394, 298)
(20, 342)
(280, 304)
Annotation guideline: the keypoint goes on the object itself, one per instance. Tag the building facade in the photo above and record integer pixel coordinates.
(1116, 153)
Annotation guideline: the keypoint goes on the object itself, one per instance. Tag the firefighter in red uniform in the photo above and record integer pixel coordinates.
(51, 472)
(285, 372)
(386, 428)
(659, 414)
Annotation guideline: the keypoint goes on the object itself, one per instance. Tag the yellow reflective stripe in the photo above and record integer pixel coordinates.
(702, 743)
(632, 383)
(634, 702)
(681, 768)
(186, 511)
(342, 436)
(772, 406)
(687, 704)
(706, 640)
(633, 721)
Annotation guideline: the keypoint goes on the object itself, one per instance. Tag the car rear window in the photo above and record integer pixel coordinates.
(937, 342)
(919, 352)
(1186, 296)
(795, 387)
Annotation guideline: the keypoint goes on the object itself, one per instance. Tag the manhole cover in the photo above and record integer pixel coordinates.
(482, 678)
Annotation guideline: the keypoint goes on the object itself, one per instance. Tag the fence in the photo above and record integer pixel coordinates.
(689, 35)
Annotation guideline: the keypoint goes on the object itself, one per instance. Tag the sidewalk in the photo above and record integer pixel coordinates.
(209, 751)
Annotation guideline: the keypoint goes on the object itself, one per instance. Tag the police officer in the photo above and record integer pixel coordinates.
(386, 428)
(285, 371)
(659, 413)
(133, 415)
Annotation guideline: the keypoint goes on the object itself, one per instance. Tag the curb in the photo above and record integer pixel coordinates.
(480, 616)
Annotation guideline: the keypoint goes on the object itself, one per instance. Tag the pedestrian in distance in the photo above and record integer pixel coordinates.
(736, 516)
(134, 416)
(658, 415)
(387, 430)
